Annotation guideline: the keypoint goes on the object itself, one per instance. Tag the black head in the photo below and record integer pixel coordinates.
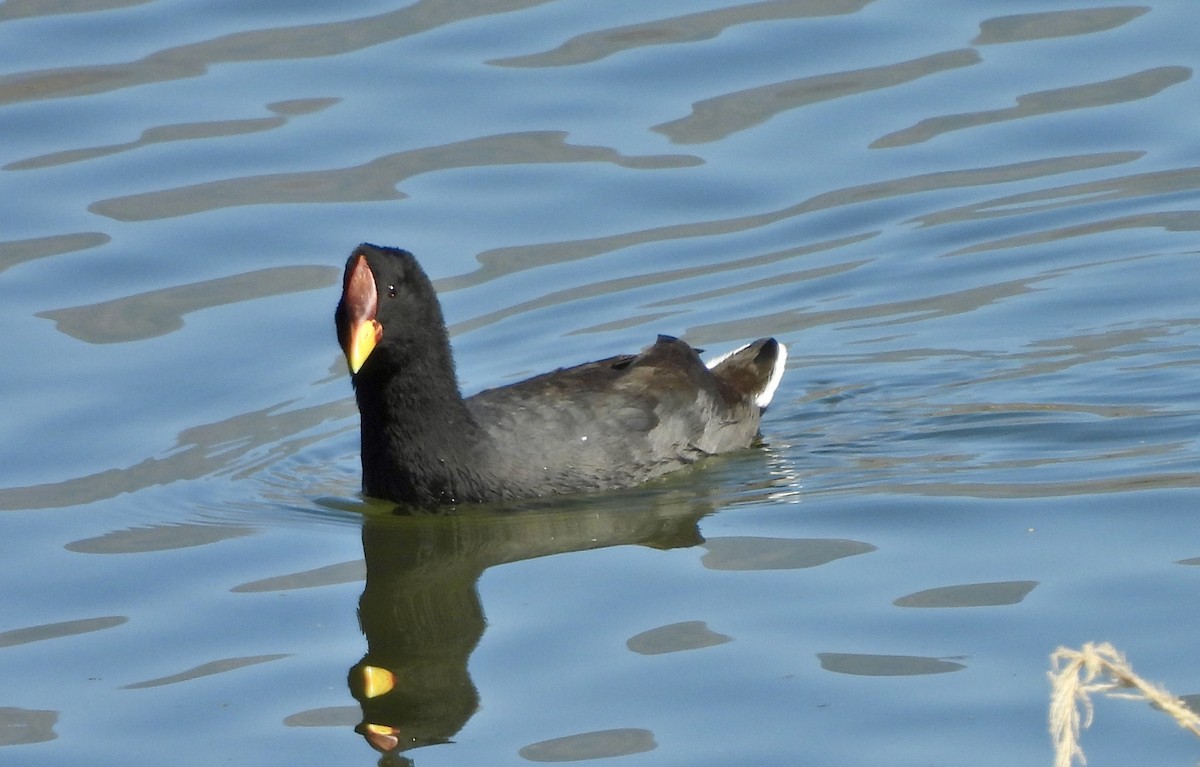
(389, 312)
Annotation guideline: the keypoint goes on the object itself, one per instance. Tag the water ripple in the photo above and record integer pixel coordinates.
(717, 118)
(298, 42)
(689, 28)
(374, 180)
(1140, 85)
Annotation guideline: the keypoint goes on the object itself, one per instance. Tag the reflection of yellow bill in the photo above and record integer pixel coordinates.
(377, 681)
(381, 737)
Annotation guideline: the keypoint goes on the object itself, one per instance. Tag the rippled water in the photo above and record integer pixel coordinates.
(975, 226)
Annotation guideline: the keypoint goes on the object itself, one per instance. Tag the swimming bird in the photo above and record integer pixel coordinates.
(602, 425)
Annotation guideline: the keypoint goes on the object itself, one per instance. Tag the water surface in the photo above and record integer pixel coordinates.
(975, 229)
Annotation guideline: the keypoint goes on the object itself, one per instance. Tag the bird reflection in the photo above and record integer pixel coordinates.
(420, 609)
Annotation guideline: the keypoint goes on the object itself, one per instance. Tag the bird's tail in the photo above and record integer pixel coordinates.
(754, 369)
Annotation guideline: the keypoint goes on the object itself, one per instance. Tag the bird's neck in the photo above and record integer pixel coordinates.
(419, 441)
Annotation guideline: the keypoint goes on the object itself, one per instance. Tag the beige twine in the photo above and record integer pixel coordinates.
(1072, 688)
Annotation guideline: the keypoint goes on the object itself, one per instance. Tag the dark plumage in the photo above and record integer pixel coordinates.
(607, 424)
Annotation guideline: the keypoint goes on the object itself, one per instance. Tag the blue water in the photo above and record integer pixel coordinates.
(975, 228)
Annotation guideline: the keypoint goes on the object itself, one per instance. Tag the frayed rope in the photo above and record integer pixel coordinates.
(1098, 668)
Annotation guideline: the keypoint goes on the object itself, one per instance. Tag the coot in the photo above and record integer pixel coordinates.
(608, 424)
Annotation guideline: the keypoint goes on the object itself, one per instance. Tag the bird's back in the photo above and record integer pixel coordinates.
(621, 421)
